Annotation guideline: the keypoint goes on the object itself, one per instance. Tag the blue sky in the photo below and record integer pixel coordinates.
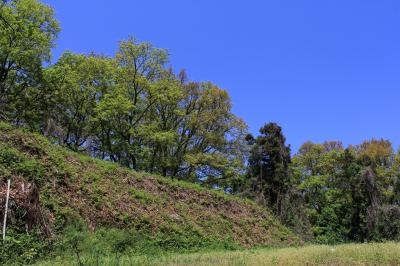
(323, 70)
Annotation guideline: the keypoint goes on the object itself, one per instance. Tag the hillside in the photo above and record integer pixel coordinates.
(55, 188)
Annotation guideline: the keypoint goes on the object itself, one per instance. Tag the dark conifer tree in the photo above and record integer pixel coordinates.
(269, 166)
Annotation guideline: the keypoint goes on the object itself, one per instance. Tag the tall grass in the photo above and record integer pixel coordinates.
(349, 254)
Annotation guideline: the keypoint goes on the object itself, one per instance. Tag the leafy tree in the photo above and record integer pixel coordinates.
(209, 144)
(348, 193)
(351, 195)
(74, 86)
(156, 121)
(28, 30)
(380, 179)
(192, 133)
(122, 112)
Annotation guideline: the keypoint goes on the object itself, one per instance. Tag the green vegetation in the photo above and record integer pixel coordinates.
(122, 155)
(327, 193)
(75, 204)
(342, 255)
(131, 108)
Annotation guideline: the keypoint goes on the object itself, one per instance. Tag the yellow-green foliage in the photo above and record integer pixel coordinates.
(350, 254)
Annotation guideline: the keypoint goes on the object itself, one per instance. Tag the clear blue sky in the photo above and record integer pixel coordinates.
(324, 70)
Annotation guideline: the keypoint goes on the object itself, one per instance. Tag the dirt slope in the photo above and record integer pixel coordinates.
(54, 187)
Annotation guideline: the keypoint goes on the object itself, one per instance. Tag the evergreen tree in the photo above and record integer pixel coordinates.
(269, 166)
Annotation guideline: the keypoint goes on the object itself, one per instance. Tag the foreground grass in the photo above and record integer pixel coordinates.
(350, 254)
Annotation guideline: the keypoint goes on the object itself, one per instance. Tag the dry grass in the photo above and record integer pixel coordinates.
(349, 254)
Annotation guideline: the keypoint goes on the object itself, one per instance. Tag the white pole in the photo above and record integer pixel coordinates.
(6, 209)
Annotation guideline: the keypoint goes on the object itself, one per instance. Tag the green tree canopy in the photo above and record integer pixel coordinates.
(28, 30)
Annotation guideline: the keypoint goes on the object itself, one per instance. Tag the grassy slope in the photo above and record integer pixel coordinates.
(75, 187)
(350, 254)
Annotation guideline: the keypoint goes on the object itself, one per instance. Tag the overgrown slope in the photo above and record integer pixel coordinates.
(76, 188)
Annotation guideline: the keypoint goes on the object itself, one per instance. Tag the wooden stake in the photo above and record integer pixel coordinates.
(6, 209)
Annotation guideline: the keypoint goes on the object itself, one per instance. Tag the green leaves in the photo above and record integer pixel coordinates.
(76, 84)
(131, 109)
(27, 34)
(345, 189)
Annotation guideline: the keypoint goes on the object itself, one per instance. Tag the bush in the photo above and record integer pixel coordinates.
(21, 248)
(87, 248)
(387, 224)
(13, 162)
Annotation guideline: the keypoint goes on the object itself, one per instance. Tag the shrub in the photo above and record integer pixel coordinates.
(21, 248)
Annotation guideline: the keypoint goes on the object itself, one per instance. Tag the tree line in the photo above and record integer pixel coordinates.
(326, 192)
(133, 109)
